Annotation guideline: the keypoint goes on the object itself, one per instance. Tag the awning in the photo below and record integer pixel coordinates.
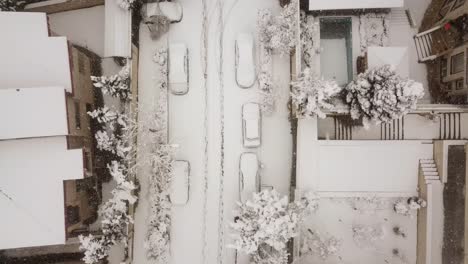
(315, 5)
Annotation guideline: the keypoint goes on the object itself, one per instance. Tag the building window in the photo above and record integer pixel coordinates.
(77, 115)
(459, 84)
(87, 161)
(73, 214)
(336, 61)
(81, 63)
(457, 63)
(443, 68)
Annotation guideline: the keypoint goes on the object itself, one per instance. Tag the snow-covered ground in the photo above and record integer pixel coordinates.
(200, 231)
(367, 229)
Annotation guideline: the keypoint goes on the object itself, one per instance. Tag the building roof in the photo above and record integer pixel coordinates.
(34, 62)
(34, 156)
(31, 190)
(317, 5)
(33, 112)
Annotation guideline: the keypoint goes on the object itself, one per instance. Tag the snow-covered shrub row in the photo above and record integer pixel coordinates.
(116, 136)
(380, 95)
(265, 224)
(157, 242)
(278, 33)
(117, 85)
(12, 5)
(315, 244)
(127, 4)
(265, 84)
(311, 94)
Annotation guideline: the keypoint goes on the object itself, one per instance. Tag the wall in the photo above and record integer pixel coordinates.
(84, 27)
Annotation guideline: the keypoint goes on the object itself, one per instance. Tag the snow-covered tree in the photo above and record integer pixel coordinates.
(116, 136)
(278, 33)
(265, 224)
(12, 5)
(117, 85)
(380, 95)
(115, 217)
(311, 94)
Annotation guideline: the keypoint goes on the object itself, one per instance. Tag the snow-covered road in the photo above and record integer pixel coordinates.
(200, 231)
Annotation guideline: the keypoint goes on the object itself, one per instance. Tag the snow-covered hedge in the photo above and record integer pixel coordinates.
(117, 85)
(278, 33)
(116, 136)
(380, 95)
(311, 94)
(265, 83)
(265, 224)
(157, 242)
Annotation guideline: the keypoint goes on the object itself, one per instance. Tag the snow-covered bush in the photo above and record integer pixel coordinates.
(315, 244)
(380, 95)
(311, 94)
(117, 85)
(127, 4)
(12, 5)
(265, 224)
(157, 242)
(410, 206)
(278, 33)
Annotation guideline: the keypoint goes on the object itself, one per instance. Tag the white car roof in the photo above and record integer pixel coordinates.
(248, 169)
(180, 182)
(177, 53)
(245, 69)
(251, 111)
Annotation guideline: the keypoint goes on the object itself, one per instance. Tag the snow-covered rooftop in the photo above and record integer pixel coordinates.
(354, 4)
(26, 25)
(33, 112)
(31, 190)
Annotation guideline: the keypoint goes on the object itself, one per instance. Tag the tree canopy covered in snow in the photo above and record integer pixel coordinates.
(380, 95)
(278, 33)
(311, 94)
(117, 85)
(265, 224)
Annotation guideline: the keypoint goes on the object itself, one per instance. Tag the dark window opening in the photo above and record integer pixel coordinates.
(73, 214)
(77, 115)
(457, 63)
(336, 58)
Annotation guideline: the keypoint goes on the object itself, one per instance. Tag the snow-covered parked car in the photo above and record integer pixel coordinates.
(245, 60)
(180, 182)
(249, 177)
(172, 10)
(251, 125)
(178, 69)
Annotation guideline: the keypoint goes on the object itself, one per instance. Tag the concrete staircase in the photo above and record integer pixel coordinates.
(429, 170)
